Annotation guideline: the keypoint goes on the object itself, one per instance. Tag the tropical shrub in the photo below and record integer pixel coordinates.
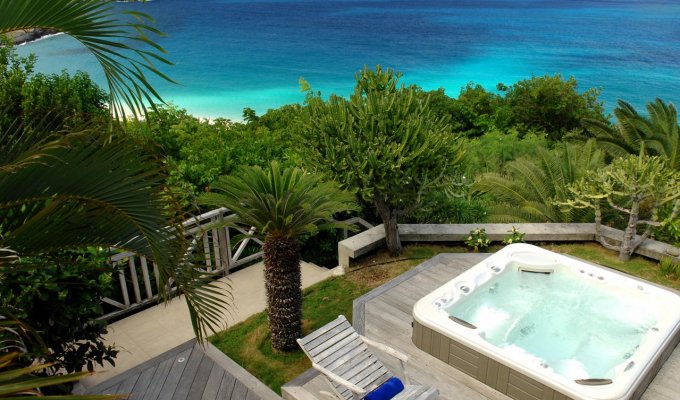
(515, 236)
(197, 151)
(56, 102)
(490, 152)
(61, 299)
(441, 208)
(478, 240)
(550, 104)
(529, 188)
(321, 248)
(669, 267)
(635, 186)
(14, 73)
(384, 142)
(471, 113)
(657, 133)
(69, 101)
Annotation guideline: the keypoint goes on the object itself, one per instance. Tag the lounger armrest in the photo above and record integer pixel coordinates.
(387, 349)
(334, 377)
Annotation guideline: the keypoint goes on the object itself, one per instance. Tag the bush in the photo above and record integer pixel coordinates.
(471, 114)
(321, 248)
(60, 297)
(56, 101)
(478, 240)
(490, 153)
(197, 151)
(515, 236)
(548, 103)
(669, 268)
(440, 208)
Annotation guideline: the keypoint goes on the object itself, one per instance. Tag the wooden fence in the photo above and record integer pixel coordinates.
(215, 247)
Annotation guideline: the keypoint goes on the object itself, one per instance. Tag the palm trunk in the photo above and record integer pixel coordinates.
(283, 284)
(389, 219)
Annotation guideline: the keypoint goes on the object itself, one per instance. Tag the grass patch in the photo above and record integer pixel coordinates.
(637, 266)
(249, 344)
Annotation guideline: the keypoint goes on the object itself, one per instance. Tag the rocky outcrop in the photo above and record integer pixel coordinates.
(28, 35)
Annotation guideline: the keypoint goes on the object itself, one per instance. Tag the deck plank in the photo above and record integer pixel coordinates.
(185, 379)
(187, 372)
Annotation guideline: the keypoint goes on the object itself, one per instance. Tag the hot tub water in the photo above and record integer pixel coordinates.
(578, 327)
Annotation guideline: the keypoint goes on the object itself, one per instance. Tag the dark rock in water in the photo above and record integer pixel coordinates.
(29, 35)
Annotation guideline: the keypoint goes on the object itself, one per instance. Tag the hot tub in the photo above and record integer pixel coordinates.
(534, 324)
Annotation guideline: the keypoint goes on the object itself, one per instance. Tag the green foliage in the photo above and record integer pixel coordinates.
(54, 102)
(279, 203)
(471, 114)
(478, 240)
(669, 267)
(384, 142)
(91, 189)
(515, 236)
(14, 73)
(656, 134)
(119, 40)
(490, 152)
(321, 248)
(550, 104)
(635, 186)
(60, 296)
(531, 186)
(70, 101)
(440, 208)
(197, 151)
(669, 231)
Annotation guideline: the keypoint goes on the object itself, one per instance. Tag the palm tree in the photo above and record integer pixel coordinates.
(528, 190)
(95, 188)
(281, 204)
(658, 133)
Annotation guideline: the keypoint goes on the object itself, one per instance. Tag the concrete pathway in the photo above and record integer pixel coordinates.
(155, 330)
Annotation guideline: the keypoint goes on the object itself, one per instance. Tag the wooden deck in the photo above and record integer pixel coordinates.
(189, 372)
(385, 314)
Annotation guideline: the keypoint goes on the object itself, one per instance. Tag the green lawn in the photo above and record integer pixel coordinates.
(248, 343)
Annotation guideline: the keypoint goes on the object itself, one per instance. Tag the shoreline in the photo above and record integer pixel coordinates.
(24, 36)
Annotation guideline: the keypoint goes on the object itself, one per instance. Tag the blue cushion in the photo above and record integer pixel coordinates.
(387, 390)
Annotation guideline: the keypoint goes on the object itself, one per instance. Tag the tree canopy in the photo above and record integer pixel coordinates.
(384, 142)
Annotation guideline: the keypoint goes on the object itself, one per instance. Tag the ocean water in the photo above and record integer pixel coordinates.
(234, 54)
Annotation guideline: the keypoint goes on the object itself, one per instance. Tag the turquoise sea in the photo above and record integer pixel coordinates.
(235, 54)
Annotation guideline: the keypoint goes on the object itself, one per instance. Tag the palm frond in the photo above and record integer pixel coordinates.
(84, 192)
(119, 41)
(527, 192)
(282, 202)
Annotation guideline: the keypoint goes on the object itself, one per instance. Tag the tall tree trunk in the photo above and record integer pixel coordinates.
(283, 284)
(389, 219)
(628, 242)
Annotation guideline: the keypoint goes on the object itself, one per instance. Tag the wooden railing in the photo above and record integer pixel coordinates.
(215, 248)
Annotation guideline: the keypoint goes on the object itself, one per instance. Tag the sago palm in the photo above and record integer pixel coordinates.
(528, 189)
(658, 132)
(281, 204)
